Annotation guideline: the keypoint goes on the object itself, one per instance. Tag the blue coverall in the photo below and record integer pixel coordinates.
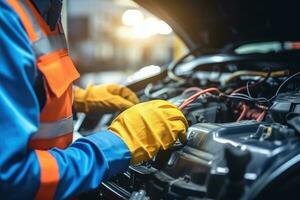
(82, 166)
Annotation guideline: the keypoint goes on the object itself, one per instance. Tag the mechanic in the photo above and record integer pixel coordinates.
(37, 157)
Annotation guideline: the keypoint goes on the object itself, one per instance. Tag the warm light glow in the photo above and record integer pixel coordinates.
(140, 27)
(152, 26)
(146, 29)
(163, 28)
(132, 17)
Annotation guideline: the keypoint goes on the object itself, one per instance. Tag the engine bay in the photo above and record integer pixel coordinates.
(243, 137)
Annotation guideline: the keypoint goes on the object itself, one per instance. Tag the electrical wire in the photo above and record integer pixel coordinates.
(147, 90)
(261, 116)
(240, 96)
(244, 97)
(243, 113)
(256, 73)
(261, 99)
(268, 74)
(245, 109)
(258, 83)
(195, 96)
(190, 99)
(191, 89)
(265, 100)
(282, 84)
(171, 68)
(236, 97)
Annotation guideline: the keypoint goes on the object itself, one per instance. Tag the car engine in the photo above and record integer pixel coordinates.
(243, 137)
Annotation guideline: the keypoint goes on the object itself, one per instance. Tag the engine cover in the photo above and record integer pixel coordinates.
(201, 169)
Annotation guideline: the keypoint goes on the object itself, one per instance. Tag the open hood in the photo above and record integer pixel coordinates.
(213, 24)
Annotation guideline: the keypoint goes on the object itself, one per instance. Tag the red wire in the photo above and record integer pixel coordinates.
(197, 89)
(243, 113)
(261, 116)
(239, 90)
(190, 99)
(195, 96)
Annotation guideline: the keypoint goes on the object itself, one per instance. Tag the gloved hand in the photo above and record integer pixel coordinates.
(148, 127)
(103, 98)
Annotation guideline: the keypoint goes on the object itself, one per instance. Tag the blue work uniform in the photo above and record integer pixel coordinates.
(82, 165)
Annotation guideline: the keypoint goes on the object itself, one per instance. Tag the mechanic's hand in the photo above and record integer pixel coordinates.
(148, 127)
(103, 98)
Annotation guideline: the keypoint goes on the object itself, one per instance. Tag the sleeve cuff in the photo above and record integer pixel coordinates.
(114, 150)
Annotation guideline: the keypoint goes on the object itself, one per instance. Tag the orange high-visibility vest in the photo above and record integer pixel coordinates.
(57, 68)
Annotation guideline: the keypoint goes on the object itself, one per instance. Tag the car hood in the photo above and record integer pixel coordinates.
(213, 24)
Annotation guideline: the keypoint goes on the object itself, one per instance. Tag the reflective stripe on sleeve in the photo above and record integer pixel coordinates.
(54, 129)
(49, 176)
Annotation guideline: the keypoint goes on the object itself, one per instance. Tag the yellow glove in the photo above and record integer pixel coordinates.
(103, 98)
(148, 127)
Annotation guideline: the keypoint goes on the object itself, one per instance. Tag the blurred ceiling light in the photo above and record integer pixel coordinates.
(132, 17)
(150, 27)
(163, 28)
(146, 29)
(139, 27)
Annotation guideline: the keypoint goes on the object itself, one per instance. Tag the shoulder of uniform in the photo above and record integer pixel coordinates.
(6, 11)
